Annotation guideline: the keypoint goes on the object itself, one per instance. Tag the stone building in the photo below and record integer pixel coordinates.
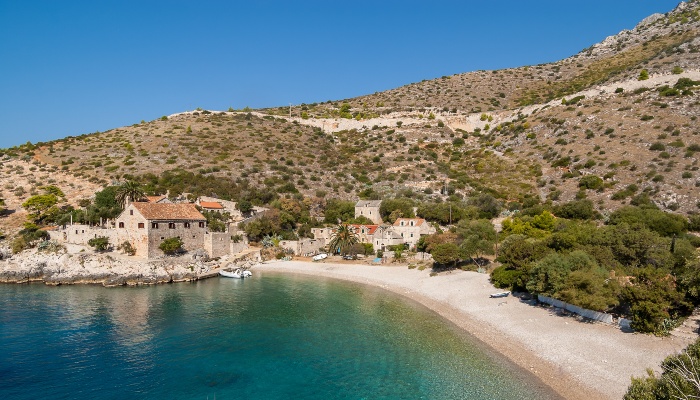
(369, 209)
(147, 225)
(411, 229)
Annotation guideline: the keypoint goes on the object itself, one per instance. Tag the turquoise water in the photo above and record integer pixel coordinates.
(269, 337)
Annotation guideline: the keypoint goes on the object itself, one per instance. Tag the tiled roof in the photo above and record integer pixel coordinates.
(211, 205)
(368, 203)
(155, 199)
(407, 221)
(163, 211)
(370, 228)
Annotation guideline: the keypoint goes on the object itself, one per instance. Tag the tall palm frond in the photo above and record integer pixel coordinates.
(343, 238)
(129, 190)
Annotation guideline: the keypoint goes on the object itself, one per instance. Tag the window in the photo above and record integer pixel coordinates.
(411, 223)
(411, 235)
(76, 231)
(187, 225)
(162, 238)
(154, 225)
(401, 223)
(121, 224)
(141, 225)
(201, 224)
(131, 212)
(171, 225)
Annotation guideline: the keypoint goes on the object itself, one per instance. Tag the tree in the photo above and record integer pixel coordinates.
(244, 206)
(129, 190)
(171, 246)
(478, 238)
(39, 205)
(395, 208)
(338, 210)
(680, 378)
(446, 253)
(100, 243)
(342, 238)
(488, 206)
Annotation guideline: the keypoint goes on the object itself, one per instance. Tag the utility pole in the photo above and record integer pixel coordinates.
(290, 110)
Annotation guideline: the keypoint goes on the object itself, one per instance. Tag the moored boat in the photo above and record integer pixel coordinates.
(237, 274)
(499, 294)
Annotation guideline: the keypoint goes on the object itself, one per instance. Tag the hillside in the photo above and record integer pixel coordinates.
(507, 132)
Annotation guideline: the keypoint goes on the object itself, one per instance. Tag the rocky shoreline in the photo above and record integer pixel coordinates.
(106, 269)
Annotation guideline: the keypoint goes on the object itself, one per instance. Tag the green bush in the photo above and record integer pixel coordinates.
(504, 278)
(590, 182)
(100, 243)
(171, 246)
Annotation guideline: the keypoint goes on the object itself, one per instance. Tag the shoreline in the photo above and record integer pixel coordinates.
(576, 359)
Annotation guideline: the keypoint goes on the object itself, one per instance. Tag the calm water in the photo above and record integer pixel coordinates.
(269, 337)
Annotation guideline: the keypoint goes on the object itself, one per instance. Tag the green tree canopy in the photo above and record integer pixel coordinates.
(37, 206)
(401, 207)
(338, 210)
(446, 253)
(478, 238)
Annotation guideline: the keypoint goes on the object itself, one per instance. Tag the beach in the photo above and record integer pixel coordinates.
(577, 359)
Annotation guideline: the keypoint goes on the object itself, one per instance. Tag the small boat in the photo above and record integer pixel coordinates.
(237, 274)
(500, 294)
(319, 257)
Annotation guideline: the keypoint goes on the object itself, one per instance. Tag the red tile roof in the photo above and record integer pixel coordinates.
(155, 199)
(163, 211)
(370, 228)
(211, 205)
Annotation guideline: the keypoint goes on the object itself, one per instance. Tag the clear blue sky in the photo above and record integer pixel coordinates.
(74, 67)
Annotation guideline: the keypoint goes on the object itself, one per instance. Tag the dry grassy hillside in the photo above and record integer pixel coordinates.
(505, 132)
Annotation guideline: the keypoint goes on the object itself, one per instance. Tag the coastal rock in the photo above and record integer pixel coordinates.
(98, 268)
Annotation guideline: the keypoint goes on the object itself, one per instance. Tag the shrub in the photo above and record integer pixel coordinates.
(171, 246)
(127, 248)
(643, 75)
(590, 182)
(100, 243)
(658, 146)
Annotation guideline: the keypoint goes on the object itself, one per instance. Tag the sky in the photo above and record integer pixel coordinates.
(73, 67)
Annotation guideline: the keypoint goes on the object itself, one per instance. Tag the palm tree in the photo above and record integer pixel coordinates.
(129, 190)
(343, 237)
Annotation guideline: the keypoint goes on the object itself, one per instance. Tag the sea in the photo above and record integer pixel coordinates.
(272, 336)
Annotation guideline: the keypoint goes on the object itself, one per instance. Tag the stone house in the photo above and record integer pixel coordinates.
(411, 229)
(369, 209)
(386, 236)
(147, 225)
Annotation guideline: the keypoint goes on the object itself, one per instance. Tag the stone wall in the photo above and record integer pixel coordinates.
(217, 244)
(192, 237)
(81, 234)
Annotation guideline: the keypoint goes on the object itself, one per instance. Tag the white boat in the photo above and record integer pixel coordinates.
(500, 294)
(237, 274)
(319, 257)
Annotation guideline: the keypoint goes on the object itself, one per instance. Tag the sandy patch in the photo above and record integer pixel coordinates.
(578, 360)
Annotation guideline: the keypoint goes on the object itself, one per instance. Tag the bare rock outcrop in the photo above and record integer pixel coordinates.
(103, 269)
